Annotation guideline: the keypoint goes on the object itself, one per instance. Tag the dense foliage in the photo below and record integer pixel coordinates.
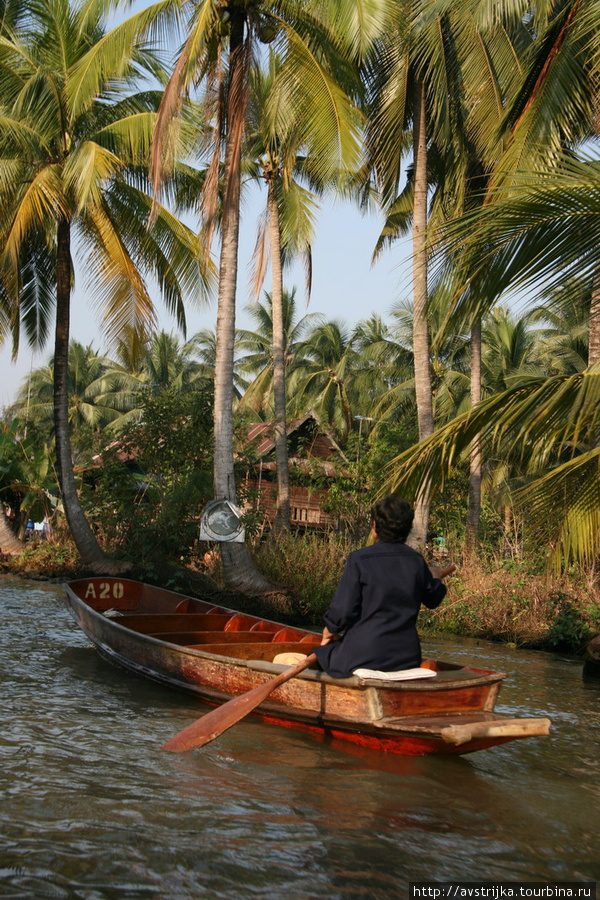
(472, 127)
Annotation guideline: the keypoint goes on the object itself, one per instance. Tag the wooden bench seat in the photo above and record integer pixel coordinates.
(153, 623)
(259, 651)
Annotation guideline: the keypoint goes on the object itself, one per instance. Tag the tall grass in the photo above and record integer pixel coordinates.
(309, 565)
(497, 599)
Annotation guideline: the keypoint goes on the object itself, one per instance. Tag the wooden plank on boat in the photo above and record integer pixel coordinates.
(462, 728)
(507, 728)
(233, 639)
(155, 623)
(260, 650)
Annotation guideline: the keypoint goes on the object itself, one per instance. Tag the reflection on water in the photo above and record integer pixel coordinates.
(91, 808)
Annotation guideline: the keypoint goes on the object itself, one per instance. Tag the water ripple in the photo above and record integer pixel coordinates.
(92, 810)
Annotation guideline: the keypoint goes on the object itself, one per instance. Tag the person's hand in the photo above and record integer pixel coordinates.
(442, 573)
(328, 636)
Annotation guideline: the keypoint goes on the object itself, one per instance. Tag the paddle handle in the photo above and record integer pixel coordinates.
(443, 573)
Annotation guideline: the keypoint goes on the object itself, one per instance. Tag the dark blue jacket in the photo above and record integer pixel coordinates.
(376, 605)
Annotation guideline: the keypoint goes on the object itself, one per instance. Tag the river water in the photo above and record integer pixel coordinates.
(91, 808)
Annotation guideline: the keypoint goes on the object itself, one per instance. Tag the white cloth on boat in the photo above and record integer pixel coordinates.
(401, 675)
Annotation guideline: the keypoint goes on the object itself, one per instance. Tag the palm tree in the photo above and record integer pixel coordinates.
(324, 379)
(549, 112)
(555, 105)
(385, 362)
(89, 405)
(164, 364)
(542, 228)
(256, 348)
(550, 425)
(386, 372)
(442, 74)
(167, 364)
(550, 106)
(564, 316)
(202, 347)
(316, 43)
(287, 230)
(509, 351)
(75, 144)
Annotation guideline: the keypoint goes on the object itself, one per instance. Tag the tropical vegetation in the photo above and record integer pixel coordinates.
(75, 141)
(471, 126)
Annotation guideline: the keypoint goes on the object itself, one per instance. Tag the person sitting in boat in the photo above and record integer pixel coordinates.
(371, 621)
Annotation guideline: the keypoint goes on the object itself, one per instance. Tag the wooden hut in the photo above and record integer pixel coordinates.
(314, 459)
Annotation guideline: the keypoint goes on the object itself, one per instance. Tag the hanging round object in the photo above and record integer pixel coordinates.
(222, 521)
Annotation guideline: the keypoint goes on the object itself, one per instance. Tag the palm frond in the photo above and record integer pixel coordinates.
(87, 171)
(564, 509)
(41, 199)
(109, 58)
(331, 123)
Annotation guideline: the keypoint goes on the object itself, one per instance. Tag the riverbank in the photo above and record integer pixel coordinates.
(497, 600)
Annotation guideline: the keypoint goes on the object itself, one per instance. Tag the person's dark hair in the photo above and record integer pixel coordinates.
(393, 518)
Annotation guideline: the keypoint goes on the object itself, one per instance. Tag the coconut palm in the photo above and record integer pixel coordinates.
(542, 228)
(256, 348)
(168, 364)
(443, 72)
(384, 374)
(202, 347)
(287, 230)
(563, 336)
(385, 360)
(89, 407)
(551, 426)
(318, 43)
(551, 112)
(165, 364)
(75, 144)
(324, 379)
(555, 106)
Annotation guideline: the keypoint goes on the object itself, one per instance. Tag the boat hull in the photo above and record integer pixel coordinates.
(216, 654)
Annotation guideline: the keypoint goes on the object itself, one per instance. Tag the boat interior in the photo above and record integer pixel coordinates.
(199, 625)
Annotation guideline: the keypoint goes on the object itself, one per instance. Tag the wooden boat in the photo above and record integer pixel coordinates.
(217, 653)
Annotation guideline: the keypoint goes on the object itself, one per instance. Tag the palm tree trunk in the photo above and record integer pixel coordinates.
(239, 570)
(10, 545)
(475, 457)
(507, 529)
(282, 517)
(423, 390)
(90, 551)
(594, 329)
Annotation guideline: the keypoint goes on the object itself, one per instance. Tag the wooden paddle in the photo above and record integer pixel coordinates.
(214, 723)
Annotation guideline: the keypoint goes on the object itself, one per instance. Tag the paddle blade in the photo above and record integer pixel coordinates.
(214, 723)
